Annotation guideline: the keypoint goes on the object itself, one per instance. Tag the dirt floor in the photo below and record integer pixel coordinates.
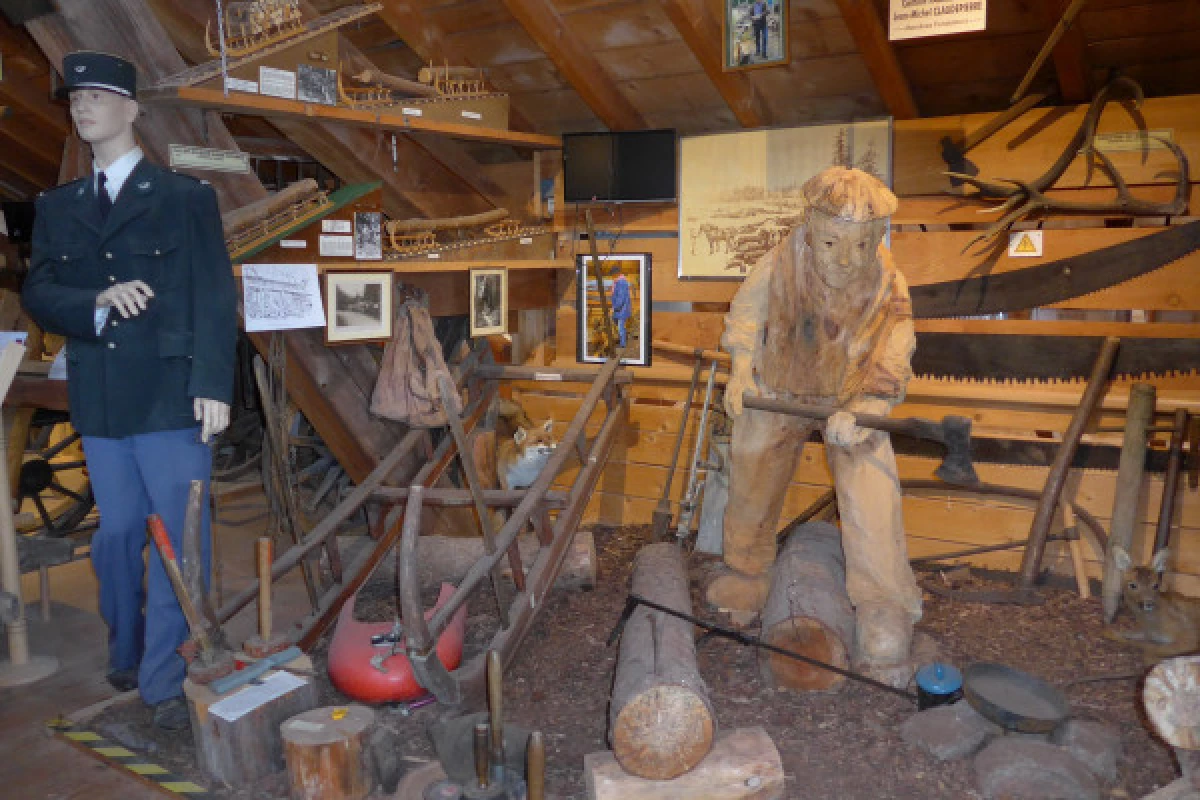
(844, 745)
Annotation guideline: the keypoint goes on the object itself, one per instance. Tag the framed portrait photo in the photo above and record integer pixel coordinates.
(358, 306)
(755, 34)
(627, 286)
(489, 301)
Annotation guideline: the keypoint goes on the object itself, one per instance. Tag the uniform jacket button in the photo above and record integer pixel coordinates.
(112, 345)
(158, 252)
(112, 278)
(108, 255)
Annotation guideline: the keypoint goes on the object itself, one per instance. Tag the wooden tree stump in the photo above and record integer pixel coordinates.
(661, 721)
(327, 753)
(808, 610)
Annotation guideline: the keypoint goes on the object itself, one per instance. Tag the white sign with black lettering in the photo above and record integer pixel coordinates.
(277, 82)
(239, 85)
(186, 156)
(336, 226)
(913, 19)
(293, 244)
(337, 246)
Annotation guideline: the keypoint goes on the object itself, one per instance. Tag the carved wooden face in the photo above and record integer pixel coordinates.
(843, 251)
(101, 116)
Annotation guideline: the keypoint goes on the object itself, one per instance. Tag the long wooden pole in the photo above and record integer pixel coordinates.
(1166, 510)
(1127, 497)
(1064, 23)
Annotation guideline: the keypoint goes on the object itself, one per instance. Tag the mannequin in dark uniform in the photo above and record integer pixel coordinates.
(130, 265)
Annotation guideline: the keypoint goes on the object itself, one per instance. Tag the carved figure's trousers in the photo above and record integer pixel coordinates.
(764, 452)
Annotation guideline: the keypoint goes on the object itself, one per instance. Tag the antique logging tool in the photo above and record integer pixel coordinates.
(1061, 27)
(660, 519)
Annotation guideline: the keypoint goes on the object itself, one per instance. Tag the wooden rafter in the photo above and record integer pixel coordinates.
(862, 18)
(43, 149)
(576, 62)
(701, 31)
(21, 159)
(1070, 56)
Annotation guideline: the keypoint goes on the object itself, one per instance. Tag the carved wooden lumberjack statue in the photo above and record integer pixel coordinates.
(824, 318)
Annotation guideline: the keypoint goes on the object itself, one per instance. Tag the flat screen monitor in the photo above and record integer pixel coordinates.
(619, 167)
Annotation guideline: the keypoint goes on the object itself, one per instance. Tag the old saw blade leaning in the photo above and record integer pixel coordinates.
(1056, 281)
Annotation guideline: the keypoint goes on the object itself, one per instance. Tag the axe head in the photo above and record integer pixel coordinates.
(956, 467)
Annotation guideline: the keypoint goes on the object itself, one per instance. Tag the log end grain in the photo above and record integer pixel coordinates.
(327, 755)
(663, 732)
(808, 637)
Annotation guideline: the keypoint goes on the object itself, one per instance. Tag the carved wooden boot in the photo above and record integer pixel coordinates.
(737, 592)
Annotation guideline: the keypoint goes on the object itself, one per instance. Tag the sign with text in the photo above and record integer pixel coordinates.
(913, 19)
(186, 156)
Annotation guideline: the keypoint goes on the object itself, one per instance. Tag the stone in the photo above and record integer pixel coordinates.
(948, 732)
(1095, 744)
(1021, 769)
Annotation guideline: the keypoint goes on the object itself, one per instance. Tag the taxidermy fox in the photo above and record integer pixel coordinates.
(1168, 623)
(520, 458)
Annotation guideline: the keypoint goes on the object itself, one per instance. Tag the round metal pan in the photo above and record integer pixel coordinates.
(1014, 700)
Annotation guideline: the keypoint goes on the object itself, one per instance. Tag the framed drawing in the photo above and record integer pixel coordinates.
(358, 306)
(489, 301)
(755, 33)
(741, 193)
(627, 286)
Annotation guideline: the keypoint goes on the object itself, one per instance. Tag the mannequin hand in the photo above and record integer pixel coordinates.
(213, 416)
(741, 380)
(840, 430)
(129, 298)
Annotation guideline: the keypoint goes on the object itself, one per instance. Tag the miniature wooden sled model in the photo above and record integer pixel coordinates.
(254, 24)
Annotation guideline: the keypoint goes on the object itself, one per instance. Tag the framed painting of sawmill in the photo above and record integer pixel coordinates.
(489, 301)
(740, 193)
(755, 34)
(358, 306)
(620, 322)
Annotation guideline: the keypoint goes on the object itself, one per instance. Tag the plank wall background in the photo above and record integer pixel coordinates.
(927, 240)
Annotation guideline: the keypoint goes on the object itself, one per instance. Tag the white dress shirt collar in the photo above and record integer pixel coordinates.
(118, 172)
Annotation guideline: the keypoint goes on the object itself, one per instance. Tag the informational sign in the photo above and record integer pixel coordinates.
(281, 297)
(913, 19)
(239, 85)
(1126, 141)
(336, 226)
(336, 246)
(186, 156)
(277, 82)
(293, 244)
(254, 696)
(1025, 244)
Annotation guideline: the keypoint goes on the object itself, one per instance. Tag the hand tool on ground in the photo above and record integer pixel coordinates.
(953, 431)
(535, 767)
(255, 670)
(689, 502)
(213, 658)
(264, 643)
(1166, 510)
(660, 518)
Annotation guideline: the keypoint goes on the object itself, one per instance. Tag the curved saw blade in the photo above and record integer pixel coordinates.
(1056, 281)
(1025, 357)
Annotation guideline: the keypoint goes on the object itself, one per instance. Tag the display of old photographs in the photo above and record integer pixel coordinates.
(627, 289)
(358, 306)
(755, 34)
(368, 235)
(741, 193)
(316, 85)
(489, 301)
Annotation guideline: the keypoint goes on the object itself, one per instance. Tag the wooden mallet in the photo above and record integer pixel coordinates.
(264, 643)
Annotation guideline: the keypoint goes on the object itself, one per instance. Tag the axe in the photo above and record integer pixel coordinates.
(953, 431)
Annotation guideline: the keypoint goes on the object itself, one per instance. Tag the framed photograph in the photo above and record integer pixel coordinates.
(316, 85)
(627, 286)
(489, 301)
(368, 235)
(755, 33)
(741, 193)
(358, 306)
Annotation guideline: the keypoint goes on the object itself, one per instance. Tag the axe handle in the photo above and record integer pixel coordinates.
(158, 532)
(915, 426)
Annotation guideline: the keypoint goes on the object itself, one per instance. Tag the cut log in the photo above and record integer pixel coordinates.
(1172, 700)
(327, 753)
(396, 83)
(661, 720)
(743, 764)
(447, 223)
(808, 611)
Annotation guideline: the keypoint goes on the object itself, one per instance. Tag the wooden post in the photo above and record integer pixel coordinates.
(327, 754)
(661, 723)
(744, 765)
(1126, 502)
(808, 610)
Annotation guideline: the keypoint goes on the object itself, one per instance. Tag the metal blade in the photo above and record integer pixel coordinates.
(1030, 357)
(1056, 281)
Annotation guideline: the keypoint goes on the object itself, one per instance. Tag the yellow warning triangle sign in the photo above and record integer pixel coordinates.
(1025, 245)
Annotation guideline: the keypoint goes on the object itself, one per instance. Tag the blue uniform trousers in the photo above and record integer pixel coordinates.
(133, 477)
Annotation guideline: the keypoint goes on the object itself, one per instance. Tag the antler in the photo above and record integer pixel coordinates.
(1024, 198)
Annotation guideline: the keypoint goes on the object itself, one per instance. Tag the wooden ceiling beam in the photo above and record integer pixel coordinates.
(862, 19)
(22, 161)
(701, 31)
(576, 62)
(15, 187)
(1070, 56)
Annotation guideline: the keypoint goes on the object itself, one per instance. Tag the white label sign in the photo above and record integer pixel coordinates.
(337, 246)
(242, 703)
(277, 82)
(1025, 244)
(412, 112)
(913, 19)
(281, 297)
(472, 115)
(336, 226)
(1125, 141)
(239, 85)
(293, 244)
(187, 156)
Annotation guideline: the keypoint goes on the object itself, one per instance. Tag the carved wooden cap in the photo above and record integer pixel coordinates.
(850, 194)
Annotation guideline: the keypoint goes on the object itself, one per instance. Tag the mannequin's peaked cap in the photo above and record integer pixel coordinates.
(850, 194)
(85, 69)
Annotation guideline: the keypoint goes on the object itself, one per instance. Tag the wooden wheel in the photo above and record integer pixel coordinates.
(54, 493)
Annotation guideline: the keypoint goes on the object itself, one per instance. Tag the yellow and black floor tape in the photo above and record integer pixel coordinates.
(136, 764)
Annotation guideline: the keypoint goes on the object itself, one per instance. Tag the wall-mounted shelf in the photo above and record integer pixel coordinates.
(262, 106)
(432, 265)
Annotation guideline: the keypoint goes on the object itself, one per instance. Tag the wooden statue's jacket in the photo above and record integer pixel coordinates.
(141, 374)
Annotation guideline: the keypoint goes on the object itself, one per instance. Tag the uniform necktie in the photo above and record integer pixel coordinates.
(102, 196)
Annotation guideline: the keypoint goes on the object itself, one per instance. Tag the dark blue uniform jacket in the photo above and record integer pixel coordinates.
(139, 375)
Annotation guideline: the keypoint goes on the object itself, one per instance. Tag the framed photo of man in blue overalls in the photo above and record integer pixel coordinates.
(754, 34)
